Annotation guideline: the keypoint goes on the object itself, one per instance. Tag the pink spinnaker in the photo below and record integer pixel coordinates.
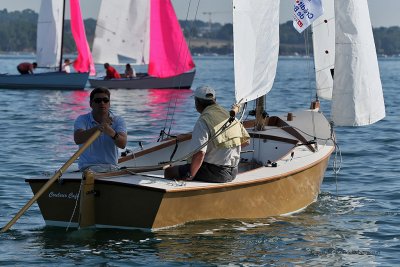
(84, 61)
(169, 52)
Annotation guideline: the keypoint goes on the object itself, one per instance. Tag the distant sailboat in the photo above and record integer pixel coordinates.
(283, 169)
(143, 33)
(49, 51)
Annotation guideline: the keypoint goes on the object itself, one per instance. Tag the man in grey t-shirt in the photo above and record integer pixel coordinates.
(217, 161)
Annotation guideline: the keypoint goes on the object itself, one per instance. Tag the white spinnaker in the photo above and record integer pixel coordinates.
(357, 95)
(49, 33)
(324, 49)
(256, 47)
(122, 31)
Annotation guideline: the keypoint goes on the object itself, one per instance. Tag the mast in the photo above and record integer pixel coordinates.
(260, 114)
(62, 37)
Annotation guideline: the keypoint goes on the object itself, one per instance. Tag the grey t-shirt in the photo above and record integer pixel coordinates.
(214, 155)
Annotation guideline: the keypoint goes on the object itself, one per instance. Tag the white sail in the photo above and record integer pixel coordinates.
(122, 32)
(49, 33)
(357, 95)
(324, 49)
(256, 47)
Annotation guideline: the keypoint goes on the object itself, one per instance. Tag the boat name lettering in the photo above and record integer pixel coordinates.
(70, 195)
(301, 11)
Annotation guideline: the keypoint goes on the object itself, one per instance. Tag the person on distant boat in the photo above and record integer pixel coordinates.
(218, 158)
(102, 154)
(111, 72)
(66, 66)
(26, 67)
(129, 71)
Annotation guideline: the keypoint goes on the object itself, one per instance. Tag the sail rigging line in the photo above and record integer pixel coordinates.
(180, 51)
(337, 160)
(76, 204)
(186, 55)
(225, 127)
(337, 165)
(229, 123)
(174, 105)
(152, 178)
(162, 133)
(182, 40)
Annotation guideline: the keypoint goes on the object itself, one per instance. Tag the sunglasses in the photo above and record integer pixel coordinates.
(99, 100)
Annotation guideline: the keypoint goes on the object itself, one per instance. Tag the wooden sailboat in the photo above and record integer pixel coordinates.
(142, 33)
(280, 172)
(49, 52)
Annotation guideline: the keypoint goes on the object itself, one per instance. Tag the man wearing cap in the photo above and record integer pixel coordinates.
(217, 161)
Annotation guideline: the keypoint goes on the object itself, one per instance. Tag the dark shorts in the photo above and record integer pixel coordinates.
(22, 71)
(210, 173)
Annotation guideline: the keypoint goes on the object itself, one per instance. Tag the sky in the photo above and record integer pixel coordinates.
(383, 13)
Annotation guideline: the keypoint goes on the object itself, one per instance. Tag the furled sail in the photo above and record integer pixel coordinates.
(357, 97)
(122, 32)
(256, 47)
(324, 49)
(49, 33)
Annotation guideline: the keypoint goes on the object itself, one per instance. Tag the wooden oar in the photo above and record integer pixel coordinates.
(57, 175)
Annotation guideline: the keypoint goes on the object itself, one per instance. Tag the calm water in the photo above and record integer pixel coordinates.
(355, 221)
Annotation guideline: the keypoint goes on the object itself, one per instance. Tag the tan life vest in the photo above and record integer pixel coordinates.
(215, 117)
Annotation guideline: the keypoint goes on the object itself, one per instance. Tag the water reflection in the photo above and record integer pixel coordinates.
(171, 108)
(146, 112)
(162, 102)
(96, 246)
(78, 104)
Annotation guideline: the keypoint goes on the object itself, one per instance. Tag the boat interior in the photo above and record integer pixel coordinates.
(279, 138)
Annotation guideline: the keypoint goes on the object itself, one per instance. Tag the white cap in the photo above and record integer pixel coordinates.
(205, 92)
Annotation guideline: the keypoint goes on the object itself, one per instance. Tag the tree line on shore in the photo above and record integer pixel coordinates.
(18, 34)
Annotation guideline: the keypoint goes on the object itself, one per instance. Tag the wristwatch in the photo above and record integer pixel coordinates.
(115, 136)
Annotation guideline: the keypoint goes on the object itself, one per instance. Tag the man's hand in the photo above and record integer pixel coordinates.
(105, 127)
